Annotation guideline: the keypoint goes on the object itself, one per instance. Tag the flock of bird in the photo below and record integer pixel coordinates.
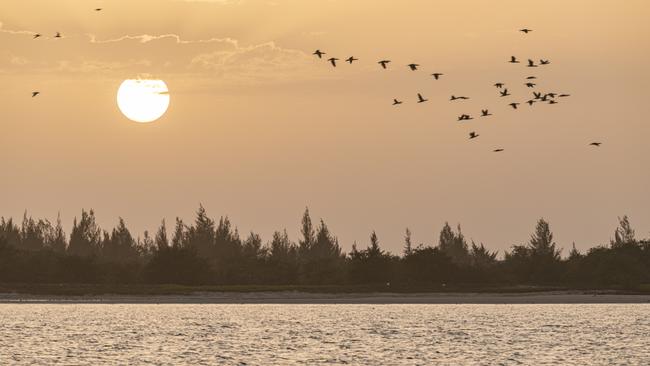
(537, 96)
(57, 35)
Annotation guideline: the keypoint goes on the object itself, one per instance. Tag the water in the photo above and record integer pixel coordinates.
(94, 334)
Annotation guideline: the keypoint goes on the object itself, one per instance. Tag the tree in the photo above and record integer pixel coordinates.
(454, 245)
(85, 237)
(542, 244)
(119, 246)
(307, 231)
(57, 241)
(624, 234)
(161, 241)
(201, 236)
(282, 259)
(408, 246)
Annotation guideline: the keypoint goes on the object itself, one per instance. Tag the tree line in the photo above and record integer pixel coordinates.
(210, 252)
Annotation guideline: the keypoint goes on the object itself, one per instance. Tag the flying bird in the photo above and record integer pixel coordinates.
(383, 63)
(552, 95)
(35, 93)
(333, 61)
(538, 95)
(530, 85)
(513, 105)
(351, 59)
(413, 67)
(497, 150)
(485, 113)
(98, 9)
(437, 75)
(531, 77)
(58, 35)
(544, 62)
(319, 53)
(464, 117)
(453, 97)
(552, 101)
(526, 30)
(531, 63)
(564, 95)
(421, 98)
(37, 35)
(531, 102)
(473, 135)
(504, 93)
(597, 144)
(513, 60)
(499, 85)
(396, 102)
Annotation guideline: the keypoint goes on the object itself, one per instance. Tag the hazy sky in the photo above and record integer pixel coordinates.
(258, 128)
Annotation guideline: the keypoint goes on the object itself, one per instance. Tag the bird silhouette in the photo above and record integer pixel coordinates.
(319, 53)
(58, 35)
(531, 63)
(504, 93)
(383, 63)
(35, 93)
(544, 62)
(485, 113)
(333, 61)
(513, 60)
(497, 150)
(465, 117)
(413, 67)
(453, 97)
(530, 102)
(437, 75)
(538, 95)
(531, 77)
(597, 144)
(552, 101)
(351, 59)
(421, 98)
(564, 95)
(526, 30)
(499, 85)
(473, 135)
(552, 95)
(98, 9)
(397, 102)
(530, 85)
(37, 35)
(513, 105)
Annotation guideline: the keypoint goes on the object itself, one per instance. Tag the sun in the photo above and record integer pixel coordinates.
(143, 100)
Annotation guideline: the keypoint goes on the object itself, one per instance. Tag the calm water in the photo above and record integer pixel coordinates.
(89, 334)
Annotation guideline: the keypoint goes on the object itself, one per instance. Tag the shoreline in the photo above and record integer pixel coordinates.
(374, 298)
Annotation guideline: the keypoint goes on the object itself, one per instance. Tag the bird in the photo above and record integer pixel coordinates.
(531, 77)
(473, 135)
(544, 62)
(333, 61)
(464, 117)
(396, 102)
(530, 102)
(538, 95)
(564, 95)
(499, 85)
(37, 35)
(98, 9)
(58, 35)
(35, 93)
(497, 150)
(513, 105)
(530, 85)
(383, 63)
(526, 30)
(597, 144)
(513, 60)
(485, 113)
(421, 98)
(453, 97)
(351, 59)
(504, 93)
(531, 63)
(552, 95)
(437, 75)
(552, 101)
(319, 53)
(413, 67)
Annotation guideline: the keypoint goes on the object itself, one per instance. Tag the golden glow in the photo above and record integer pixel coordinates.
(143, 100)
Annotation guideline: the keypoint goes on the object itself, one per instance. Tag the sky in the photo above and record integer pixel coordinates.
(258, 128)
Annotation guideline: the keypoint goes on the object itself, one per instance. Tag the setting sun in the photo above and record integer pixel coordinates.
(143, 100)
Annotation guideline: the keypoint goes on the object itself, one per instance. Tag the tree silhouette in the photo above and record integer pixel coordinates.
(85, 238)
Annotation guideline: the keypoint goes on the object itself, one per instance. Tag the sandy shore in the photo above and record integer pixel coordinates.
(559, 297)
